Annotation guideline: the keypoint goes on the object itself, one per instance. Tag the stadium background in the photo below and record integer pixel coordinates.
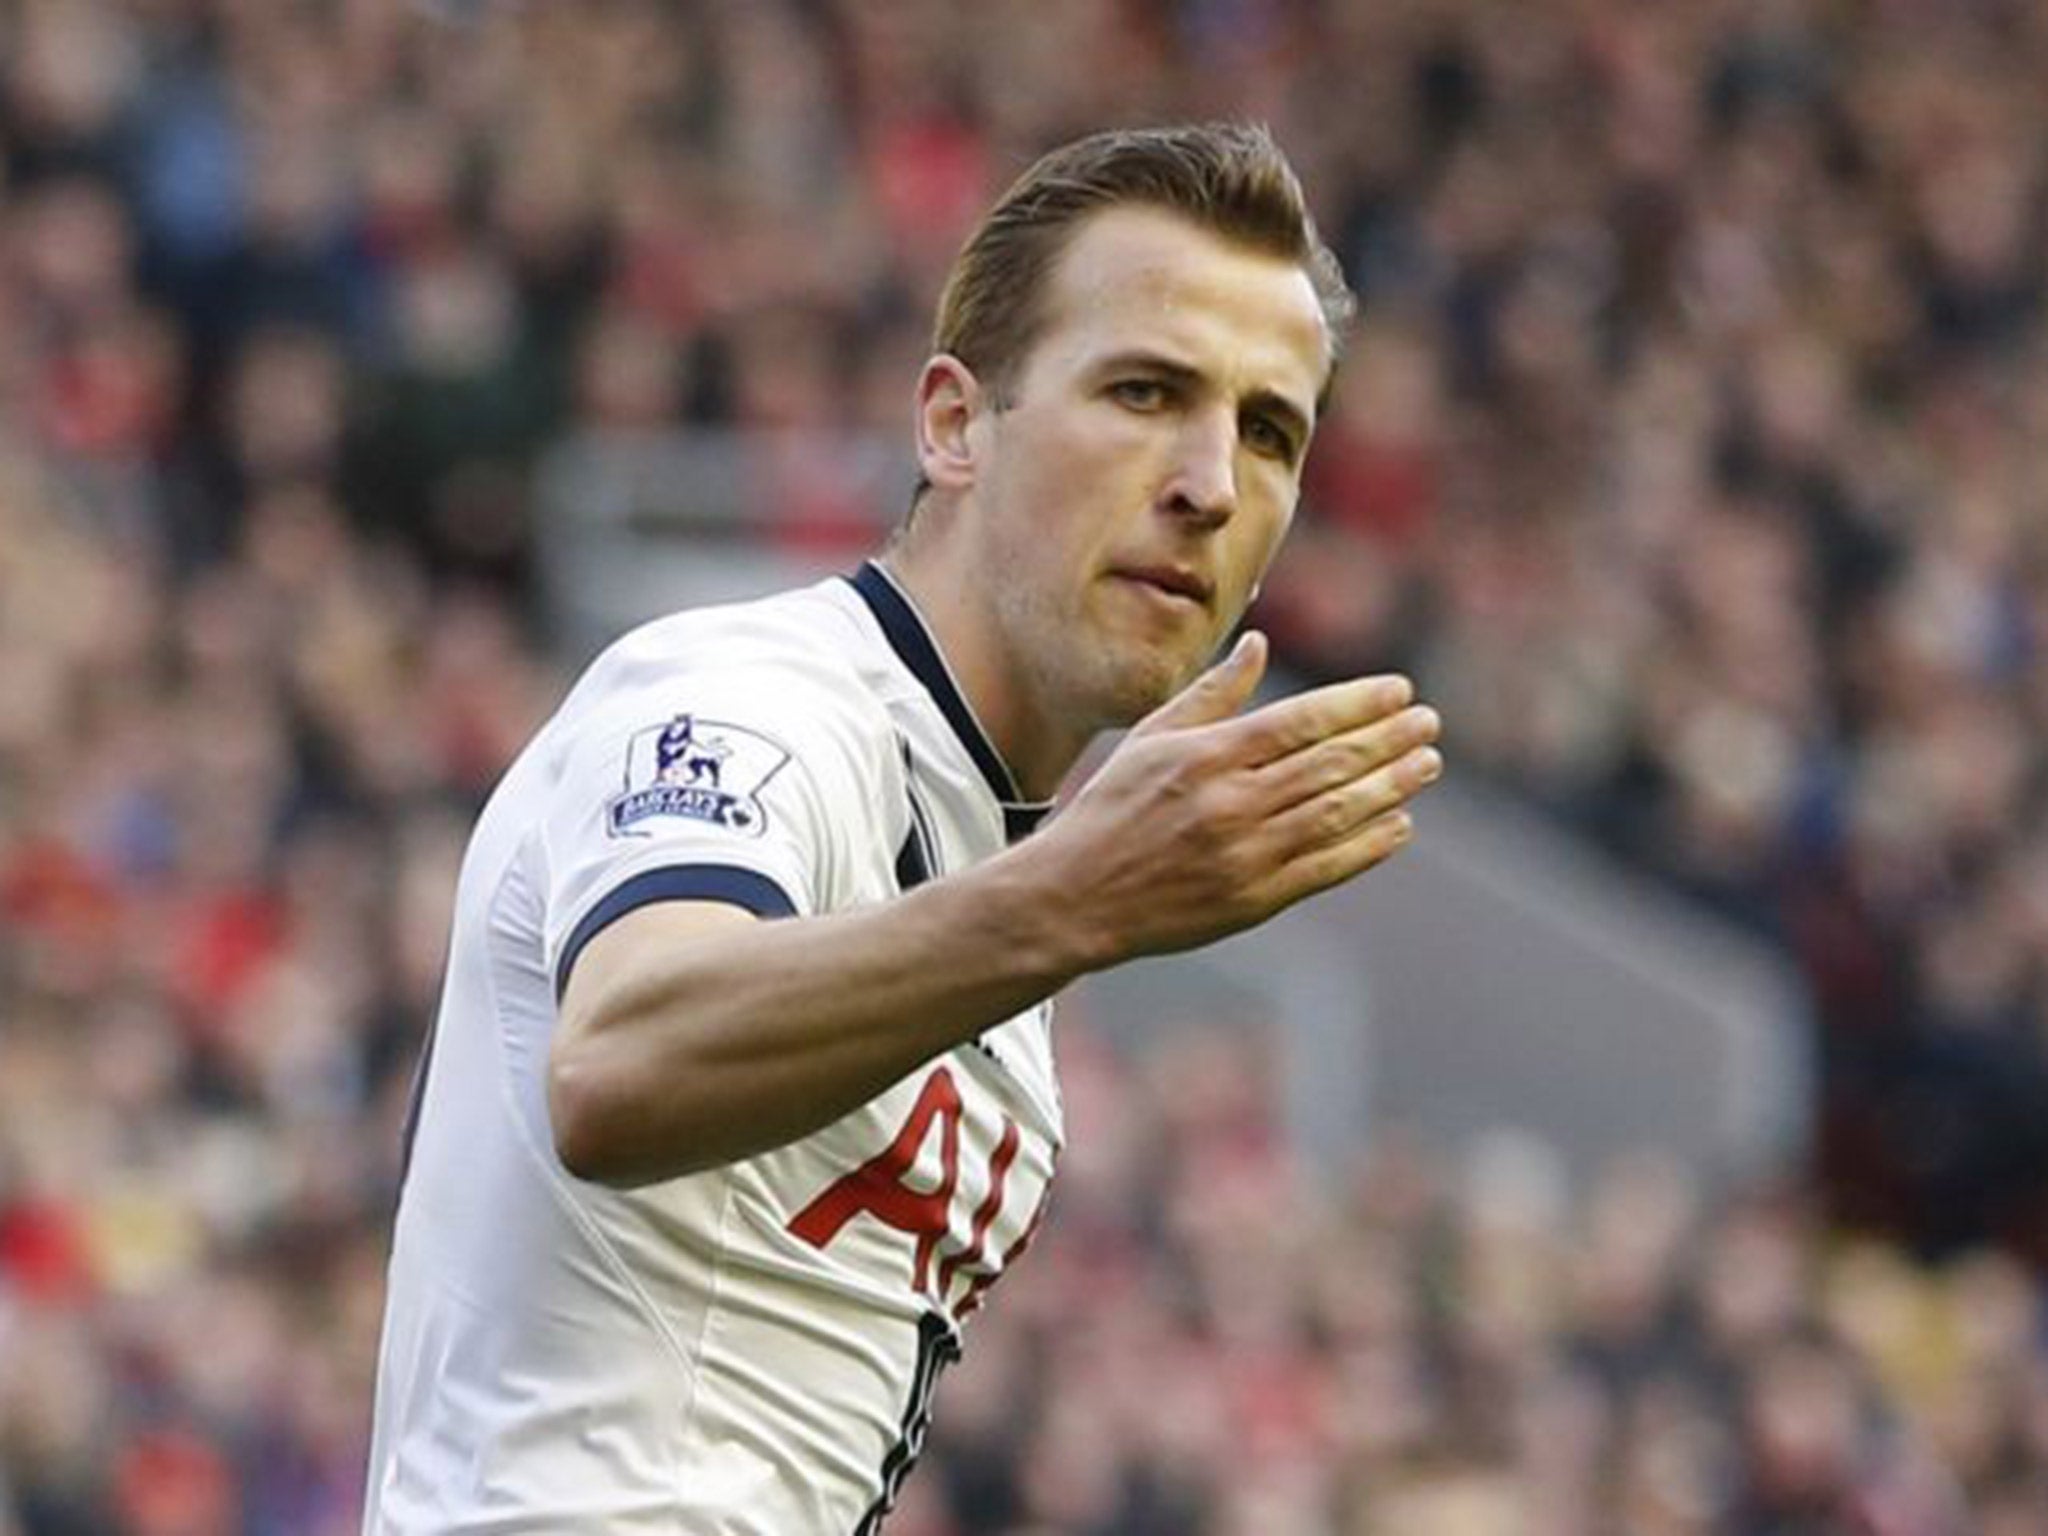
(1694, 453)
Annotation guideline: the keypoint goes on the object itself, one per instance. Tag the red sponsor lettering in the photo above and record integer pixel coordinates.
(880, 1188)
(878, 1185)
(977, 1285)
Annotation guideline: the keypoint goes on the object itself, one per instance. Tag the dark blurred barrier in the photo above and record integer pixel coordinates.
(1498, 978)
(635, 526)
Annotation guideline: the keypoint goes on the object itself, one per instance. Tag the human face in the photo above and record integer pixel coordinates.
(1132, 489)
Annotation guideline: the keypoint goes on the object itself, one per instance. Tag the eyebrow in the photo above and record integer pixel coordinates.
(1298, 421)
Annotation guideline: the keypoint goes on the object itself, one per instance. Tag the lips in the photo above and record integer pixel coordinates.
(1175, 580)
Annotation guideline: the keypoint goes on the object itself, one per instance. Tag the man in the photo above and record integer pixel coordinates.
(741, 1094)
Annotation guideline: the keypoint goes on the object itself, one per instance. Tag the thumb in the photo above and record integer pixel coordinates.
(1218, 693)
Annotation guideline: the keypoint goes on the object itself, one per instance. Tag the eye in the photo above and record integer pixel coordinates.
(1267, 436)
(1140, 394)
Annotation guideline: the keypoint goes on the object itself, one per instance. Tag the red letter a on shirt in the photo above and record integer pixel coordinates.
(878, 1186)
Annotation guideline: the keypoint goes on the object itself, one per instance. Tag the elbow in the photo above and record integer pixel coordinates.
(584, 1116)
(605, 1130)
(575, 1117)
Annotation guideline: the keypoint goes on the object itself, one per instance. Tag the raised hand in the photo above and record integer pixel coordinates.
(1207, 819)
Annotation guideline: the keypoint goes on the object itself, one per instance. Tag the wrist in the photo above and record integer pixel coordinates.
(1031, 911)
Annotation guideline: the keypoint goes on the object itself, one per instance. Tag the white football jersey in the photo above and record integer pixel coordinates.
(751, 1349)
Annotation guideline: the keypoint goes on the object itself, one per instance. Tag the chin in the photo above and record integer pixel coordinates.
(1142, 687)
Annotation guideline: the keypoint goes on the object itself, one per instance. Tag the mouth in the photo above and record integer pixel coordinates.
(1178, 582)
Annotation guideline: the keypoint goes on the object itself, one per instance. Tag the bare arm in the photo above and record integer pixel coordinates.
(692, 1035)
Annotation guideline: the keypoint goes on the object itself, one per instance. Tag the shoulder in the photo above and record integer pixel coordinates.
(786, 669)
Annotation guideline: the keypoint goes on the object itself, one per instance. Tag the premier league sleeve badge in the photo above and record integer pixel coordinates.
(698, 770)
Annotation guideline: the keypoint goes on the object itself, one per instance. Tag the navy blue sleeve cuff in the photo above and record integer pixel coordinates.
(736, 887)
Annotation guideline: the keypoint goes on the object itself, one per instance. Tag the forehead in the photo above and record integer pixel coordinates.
(1149, 280)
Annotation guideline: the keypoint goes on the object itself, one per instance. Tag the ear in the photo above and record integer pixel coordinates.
(949, 397)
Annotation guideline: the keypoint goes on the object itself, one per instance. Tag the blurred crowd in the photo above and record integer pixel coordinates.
(1692, 452)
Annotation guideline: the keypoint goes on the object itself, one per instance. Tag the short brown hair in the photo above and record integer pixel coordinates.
(1227, 177)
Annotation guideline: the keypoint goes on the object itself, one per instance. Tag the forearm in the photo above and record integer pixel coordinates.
(691, 1046)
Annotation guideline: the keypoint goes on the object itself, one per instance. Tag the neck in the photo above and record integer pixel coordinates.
(1036, 742)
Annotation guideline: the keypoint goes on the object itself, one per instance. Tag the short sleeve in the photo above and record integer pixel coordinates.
(747, 786)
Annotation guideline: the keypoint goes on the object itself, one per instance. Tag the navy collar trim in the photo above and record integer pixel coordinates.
(905, 630)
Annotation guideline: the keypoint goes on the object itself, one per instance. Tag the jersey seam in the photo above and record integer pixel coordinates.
(713, 1302)
(563, 1197)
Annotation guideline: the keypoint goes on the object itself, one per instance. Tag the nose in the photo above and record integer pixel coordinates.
(1203, 487)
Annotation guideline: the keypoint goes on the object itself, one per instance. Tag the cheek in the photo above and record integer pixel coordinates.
(1073, 495)
(1049, 467)
(1265, 529)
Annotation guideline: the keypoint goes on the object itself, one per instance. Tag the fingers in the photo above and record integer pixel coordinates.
(1302, 720)
(1218, 693)
(1331, 764)
(1370, 843)
(1336, 814)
